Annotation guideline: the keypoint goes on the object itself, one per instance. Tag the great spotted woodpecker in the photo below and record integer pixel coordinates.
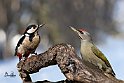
(28, 42)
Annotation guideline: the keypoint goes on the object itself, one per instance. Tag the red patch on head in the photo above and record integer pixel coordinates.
(81, 30)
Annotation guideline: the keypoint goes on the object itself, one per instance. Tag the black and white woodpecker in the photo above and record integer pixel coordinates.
(89, 52)
(28, 42)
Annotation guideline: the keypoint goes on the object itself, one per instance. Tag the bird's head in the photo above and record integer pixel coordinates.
(33, 28)
(83, 34)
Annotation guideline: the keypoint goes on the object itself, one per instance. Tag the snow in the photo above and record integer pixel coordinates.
(52, 73)
(9, 66)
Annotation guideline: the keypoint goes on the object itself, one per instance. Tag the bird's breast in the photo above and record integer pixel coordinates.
(30, 45)
(35, 41)
(88, 55)
(86, 52)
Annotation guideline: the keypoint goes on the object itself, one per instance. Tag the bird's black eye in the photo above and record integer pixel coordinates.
(34, 27)
(81, 32)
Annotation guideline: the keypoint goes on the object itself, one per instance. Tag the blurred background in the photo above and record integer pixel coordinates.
(102, 18)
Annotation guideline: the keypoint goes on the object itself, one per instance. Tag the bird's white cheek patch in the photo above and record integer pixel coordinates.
(31, 30)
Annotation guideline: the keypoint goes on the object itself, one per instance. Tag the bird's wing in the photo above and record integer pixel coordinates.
(100, 55)
(18, 44)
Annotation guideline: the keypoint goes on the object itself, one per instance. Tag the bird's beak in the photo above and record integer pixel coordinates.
(41, 25)
(75, 30)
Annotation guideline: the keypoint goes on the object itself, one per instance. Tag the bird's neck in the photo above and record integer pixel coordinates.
(85, 43)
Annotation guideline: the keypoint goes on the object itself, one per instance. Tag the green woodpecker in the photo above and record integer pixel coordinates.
(89, 52)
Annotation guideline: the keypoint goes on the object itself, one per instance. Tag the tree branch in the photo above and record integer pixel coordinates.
(74, 69)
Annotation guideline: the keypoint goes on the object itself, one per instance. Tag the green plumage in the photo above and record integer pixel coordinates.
(100, 55)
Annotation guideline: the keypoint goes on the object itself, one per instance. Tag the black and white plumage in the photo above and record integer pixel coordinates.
(28, 42)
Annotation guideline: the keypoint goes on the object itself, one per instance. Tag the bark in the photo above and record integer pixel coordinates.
(74, 69)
